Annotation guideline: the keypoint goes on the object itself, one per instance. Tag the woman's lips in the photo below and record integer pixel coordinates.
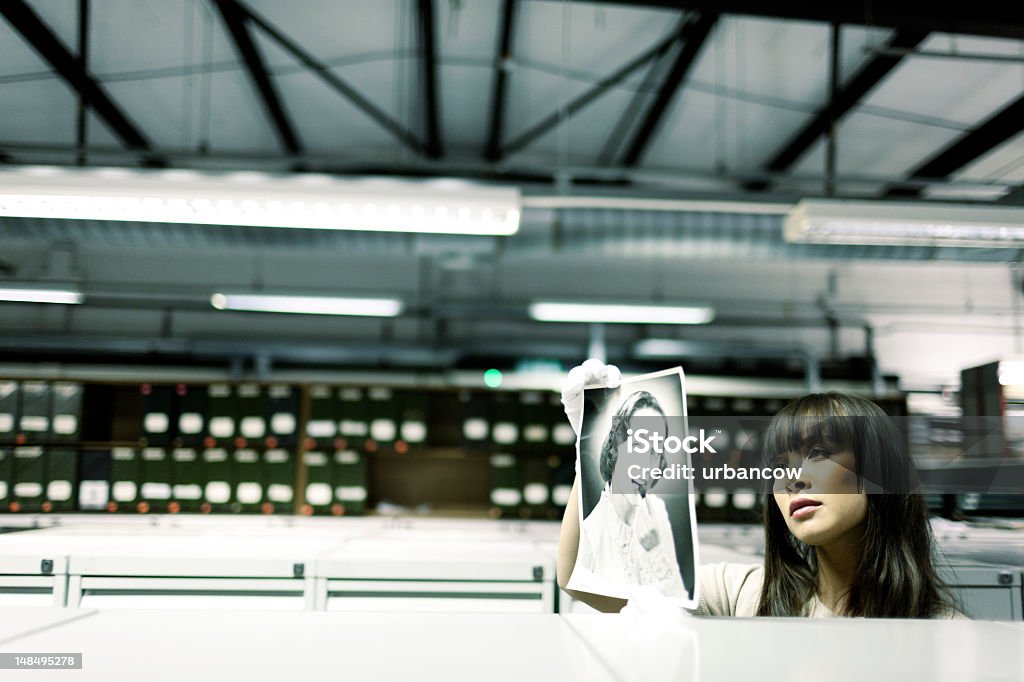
(803, 507)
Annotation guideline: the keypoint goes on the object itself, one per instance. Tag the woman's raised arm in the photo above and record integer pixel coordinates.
(568, 547)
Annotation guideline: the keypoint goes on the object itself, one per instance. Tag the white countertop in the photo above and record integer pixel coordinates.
(17, 621)
(255, 646)
(652, 649)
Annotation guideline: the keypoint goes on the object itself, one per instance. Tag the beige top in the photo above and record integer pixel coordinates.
(735, 589)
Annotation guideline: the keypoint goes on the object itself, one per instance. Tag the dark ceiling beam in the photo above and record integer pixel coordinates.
(336, 83)
(604, 85)
(235, 18)
(992, 18)
(428, 68)
(694, 35)
(996, 130)
(502, 63)
(26, 22)
(845, 99)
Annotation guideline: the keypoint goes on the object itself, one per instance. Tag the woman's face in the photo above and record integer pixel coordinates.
(622, 482)
(825, 503)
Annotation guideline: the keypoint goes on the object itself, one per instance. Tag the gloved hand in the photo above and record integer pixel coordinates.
(649, 601)
(590, 373)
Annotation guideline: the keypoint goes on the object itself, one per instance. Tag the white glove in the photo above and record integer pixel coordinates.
(590, 373)
(649, 601)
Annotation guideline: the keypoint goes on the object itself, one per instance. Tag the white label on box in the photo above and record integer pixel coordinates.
(253, 427)
(474, 429)
(276, 456)
(350, 395)
(6, 422)
(350, 493)
(501, 460)
(156, 491)
(218, 492)
(414, 432)
(505, 433)
(215, 455)
(190, 423)
(65, 424)
(560, 494)
(93, 495)
(283, 423)
(346, 457)
(155, 422)
(379, 393)
(382, 429)
(187, 491)
(7, 388)
(28, 489)
(246, 456)
(249, 390)
(29, 452)
(535, 493)
(124, 491)
(66, 391)
(184, 455)
(320, 392)
(278, 492)
(123, 454)
(3, 490)
(249, 492)
(222, 427)
(314, 459)
(320, 428)
(505, 497)
(36, 424)
(58, 491)
(220, 390)
(563, 434)
(318, 494)
(279, 391)
(154, 454)
(535, 433)
(351, 427)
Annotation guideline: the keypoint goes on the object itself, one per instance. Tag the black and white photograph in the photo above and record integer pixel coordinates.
(505, 340)
(637, 529)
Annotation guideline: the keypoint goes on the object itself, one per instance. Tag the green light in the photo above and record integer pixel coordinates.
(493, 378)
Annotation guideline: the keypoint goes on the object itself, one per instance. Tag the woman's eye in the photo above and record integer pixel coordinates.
(818, 453)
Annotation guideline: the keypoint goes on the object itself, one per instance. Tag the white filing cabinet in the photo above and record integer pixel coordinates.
(33, 579)
(436, 575)
(196, 573)
(988, 591)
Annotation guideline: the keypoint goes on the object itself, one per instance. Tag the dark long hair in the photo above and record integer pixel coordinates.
(896, 576)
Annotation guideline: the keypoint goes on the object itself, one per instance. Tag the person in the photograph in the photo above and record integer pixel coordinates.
(831, 549)
(626, 540)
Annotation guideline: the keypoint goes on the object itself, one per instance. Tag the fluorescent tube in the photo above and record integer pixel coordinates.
(308, 305)
(260, 200)
(820, 221)
(551, 311)
(33, 295)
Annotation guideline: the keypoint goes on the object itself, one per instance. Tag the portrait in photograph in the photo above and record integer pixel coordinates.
(637, 520)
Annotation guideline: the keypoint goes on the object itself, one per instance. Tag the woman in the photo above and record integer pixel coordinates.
(626, 540)
(843, 552)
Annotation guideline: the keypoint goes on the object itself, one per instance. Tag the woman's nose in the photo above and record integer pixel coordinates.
(798, 486)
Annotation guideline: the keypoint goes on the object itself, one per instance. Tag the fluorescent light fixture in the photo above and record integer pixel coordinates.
(260, 200)
(308, 305)
(552, 311)
(820, 221)
(37, 295)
